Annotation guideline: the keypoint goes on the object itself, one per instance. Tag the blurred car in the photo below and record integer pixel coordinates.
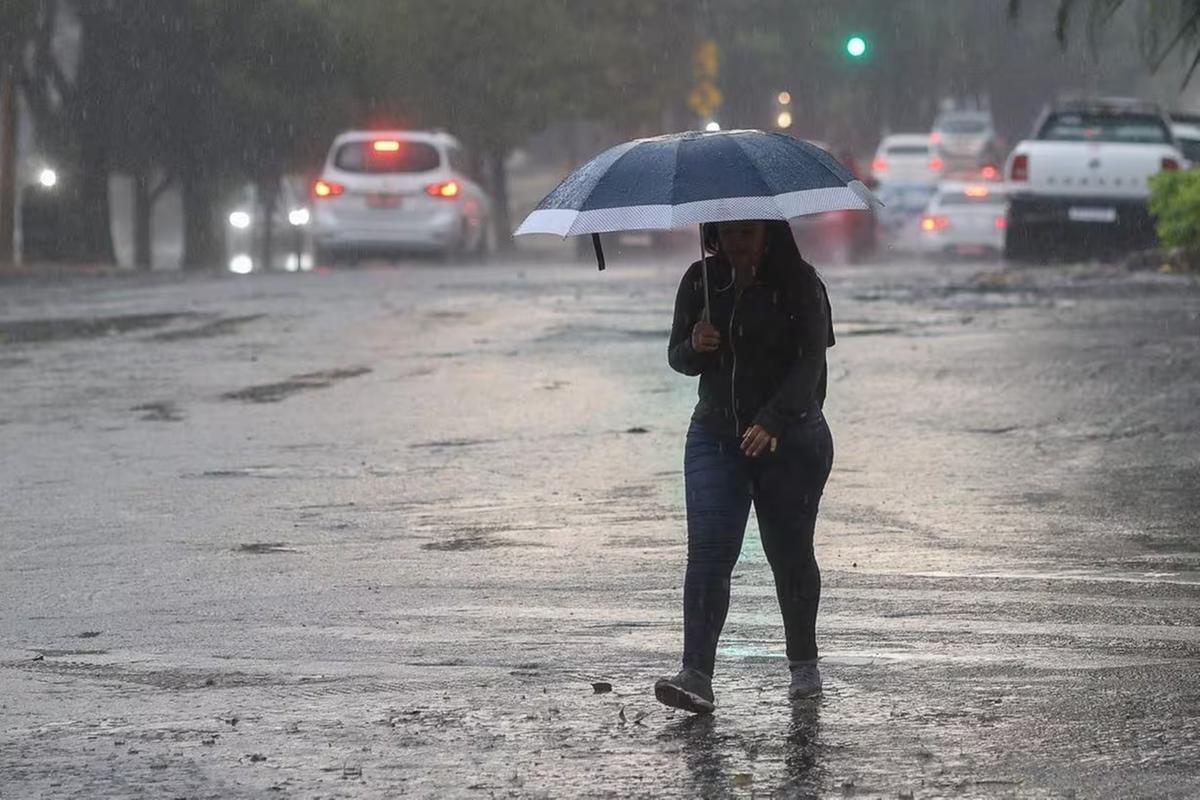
(965, 141)
(1187, 135)
(843, 237)
(906, 157)
(291, 244)
(837, 236)
(965, 219)
(384, 192)
(898, 219)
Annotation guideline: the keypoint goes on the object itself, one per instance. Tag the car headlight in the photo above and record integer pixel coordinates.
(239, 220)
(298, 216)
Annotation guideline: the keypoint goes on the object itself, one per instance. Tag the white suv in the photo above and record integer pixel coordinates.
(397, 191)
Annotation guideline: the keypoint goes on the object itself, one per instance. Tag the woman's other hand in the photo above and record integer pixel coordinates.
(756, 441)
(705, 337)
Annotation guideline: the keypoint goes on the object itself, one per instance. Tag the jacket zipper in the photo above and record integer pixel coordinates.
(737, 427)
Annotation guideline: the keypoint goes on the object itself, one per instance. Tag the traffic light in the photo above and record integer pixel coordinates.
(856, 46)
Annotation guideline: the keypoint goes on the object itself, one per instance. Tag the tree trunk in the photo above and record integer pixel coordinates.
(501, 221)
(143, 222)
(203, 240)
(8, 164)
(268, 194)
(95, 241)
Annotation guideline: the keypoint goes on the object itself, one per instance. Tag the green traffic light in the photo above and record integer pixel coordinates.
(856, 46)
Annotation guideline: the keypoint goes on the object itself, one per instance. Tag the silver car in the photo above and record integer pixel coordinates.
(398, 191)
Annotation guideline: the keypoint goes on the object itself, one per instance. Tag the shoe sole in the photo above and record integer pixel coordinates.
(798, 695)
(675, 697)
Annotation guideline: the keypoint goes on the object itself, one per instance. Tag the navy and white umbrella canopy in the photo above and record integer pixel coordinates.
(692, 178)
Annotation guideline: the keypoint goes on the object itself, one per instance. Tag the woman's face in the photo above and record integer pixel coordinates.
(743, 242)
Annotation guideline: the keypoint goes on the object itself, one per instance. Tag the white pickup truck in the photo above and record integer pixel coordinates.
(1082, 181)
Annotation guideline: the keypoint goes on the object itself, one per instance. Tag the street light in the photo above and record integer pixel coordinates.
(48, 178)
(856, 46)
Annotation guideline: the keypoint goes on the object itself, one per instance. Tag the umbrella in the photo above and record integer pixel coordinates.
(696, 177)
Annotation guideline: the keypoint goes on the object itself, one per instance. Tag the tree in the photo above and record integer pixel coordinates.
(16, 27)
(70, 109)
(1166, 27)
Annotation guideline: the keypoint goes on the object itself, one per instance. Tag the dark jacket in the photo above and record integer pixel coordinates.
(770, 368)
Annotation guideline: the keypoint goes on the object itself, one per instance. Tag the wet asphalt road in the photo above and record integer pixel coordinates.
(375, 533)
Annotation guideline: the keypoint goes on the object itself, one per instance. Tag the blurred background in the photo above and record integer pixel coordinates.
(168, 134)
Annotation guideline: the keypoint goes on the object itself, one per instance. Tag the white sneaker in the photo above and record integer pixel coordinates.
(806, 679)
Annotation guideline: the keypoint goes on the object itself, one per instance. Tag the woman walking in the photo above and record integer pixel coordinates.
(757, 435)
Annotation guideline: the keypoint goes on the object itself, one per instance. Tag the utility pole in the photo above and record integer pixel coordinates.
(8, 164)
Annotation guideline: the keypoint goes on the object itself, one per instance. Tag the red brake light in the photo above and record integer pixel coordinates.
(386, 146)
(1169, 165)
(929, 224)
(936, 163)
(879, 165)
(1020, 168)
(448, 189)
(1001, 223)
(989, 173)
(327, 189)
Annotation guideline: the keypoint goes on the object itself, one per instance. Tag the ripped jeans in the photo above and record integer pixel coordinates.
(785, 488)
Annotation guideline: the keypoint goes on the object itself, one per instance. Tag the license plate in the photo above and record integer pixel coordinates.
(384, 200)
(1089, 214)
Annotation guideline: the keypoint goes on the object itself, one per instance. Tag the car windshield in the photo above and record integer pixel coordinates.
(963, 126)
(1191, 149)
(905, 198)
(908, 150)
(1105, 127)
(385, 156)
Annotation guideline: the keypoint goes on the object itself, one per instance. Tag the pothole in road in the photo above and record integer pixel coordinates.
(275, 392)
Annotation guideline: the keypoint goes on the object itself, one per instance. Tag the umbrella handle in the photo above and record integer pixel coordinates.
(704, 273)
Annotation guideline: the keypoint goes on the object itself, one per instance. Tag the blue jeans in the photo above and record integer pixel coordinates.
(785, 488)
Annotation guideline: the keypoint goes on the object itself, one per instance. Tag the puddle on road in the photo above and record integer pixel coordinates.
(56, 330)
(271, 472)
(466, 539)
(218, 327)
(162, 411)
(598, 332)
(264, 548)
(440, 443)
(275, 392)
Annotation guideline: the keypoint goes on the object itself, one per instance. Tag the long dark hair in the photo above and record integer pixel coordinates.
(781, 250)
